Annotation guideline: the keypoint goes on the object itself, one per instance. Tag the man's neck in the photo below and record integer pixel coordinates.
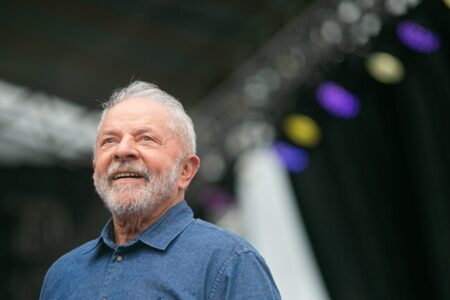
(129, 227)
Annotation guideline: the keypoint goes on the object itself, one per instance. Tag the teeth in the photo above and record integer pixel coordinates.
(122, 175)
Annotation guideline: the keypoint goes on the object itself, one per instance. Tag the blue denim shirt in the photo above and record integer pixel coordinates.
(178, 257)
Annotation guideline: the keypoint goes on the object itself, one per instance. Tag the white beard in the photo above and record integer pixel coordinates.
(129, 200)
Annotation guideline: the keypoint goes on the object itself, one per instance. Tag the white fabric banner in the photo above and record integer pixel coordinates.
(271, 221)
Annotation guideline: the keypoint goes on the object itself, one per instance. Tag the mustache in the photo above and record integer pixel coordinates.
(127, 167)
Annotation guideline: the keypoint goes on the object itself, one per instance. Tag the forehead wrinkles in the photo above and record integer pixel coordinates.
(168, 136)
(173, 122)
(135, 121)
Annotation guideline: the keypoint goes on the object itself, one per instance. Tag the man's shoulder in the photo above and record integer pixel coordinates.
(67, 264)
(236, 268)
(210, 235)
(75, 254)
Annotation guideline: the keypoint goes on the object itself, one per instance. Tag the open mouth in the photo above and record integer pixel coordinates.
(126, 175)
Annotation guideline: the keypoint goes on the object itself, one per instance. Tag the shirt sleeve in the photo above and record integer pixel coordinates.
(244, 275)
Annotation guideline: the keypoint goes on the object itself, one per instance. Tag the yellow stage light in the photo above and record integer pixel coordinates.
(302, 130)
(385, 68)
(447, 2)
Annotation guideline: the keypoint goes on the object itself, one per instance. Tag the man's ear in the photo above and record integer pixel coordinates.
(93, 165)
(188, 170)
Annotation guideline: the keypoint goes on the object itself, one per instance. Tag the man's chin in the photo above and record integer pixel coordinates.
(125, 203)
(127, 187)
(125, 211)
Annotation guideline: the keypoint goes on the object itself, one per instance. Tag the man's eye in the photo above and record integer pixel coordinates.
(146, 138)
(108, 141)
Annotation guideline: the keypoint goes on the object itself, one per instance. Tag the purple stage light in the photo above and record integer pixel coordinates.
(296, 160)
(216, 200)
(337, 101)
(417, 37)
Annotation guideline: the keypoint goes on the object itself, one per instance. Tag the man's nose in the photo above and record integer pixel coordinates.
(126, 149)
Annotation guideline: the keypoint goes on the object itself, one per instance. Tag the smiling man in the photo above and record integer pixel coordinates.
(152, 247)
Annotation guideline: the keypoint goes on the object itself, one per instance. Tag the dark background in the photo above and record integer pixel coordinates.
(375, 197)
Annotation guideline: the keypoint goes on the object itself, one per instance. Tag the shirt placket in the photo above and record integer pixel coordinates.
(111, 281)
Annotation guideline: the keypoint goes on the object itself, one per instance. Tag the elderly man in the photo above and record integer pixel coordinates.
(153, 248)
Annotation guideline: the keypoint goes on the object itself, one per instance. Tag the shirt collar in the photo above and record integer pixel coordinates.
(106, 237)
(168, 227)
(158, 235)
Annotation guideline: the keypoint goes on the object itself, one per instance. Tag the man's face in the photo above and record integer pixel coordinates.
(137, 163)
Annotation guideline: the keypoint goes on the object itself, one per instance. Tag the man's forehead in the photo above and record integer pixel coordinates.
(138, 105)
(137, 115)
(138, 109)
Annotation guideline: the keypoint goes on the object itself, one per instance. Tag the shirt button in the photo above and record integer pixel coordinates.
(119, 258)
(104, 298)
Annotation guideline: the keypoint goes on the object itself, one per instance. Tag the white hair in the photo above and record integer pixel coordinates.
(181, 124)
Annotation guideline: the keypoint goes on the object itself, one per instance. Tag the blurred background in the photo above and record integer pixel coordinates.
(322, 126)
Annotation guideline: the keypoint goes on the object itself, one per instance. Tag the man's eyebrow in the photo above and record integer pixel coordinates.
(110, 131)
(142, 130)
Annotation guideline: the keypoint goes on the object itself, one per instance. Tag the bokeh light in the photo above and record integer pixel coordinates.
(295, 160)
(396, 7)
(302, 130)
(213, 167)
(348, 12)
(371, 24)
(417, 37)
(216, 200)
(287, 66)
(249, 133)
(385, 68)
(337, 101)
(331, 32)
(447, 2)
